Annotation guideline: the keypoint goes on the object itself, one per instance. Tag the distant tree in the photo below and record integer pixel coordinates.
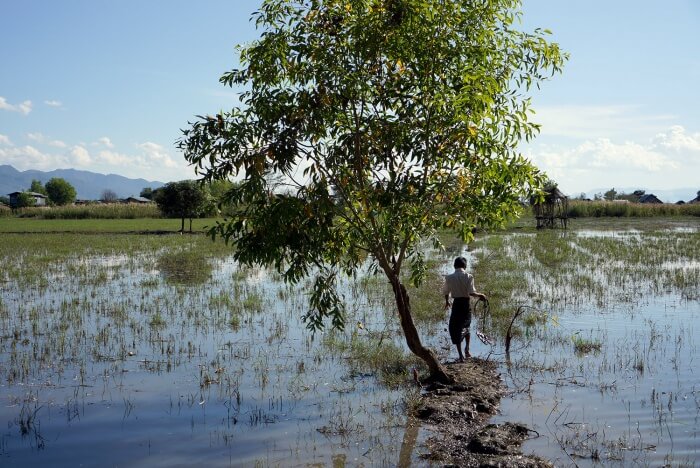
(184, 199)
(109, 196)
(582, 196)
(37, 187)
(5, 200)
(610, 194)
(549, 184)
(60, 192)
(25, 200)
(631, 197)
(219, 191)
(146, 192)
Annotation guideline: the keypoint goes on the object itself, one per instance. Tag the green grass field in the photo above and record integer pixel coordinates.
(31, 225)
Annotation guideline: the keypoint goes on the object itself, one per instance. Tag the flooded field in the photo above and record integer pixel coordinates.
(605, 362)
(162, 351)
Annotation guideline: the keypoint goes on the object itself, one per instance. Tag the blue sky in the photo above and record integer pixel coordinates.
(107, 85)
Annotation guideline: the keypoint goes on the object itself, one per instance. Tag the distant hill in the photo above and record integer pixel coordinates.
(88, 185)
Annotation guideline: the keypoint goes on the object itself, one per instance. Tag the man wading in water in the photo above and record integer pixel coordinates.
(460, 285)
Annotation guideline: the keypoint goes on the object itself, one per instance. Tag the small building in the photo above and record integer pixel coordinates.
(649, 198)
(139, 200)
(553, 210)
(39, 198)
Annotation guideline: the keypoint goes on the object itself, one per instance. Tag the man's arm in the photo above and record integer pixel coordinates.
(479, 295)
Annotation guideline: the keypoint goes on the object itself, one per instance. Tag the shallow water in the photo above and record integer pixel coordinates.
(130, 359)
(636, 399)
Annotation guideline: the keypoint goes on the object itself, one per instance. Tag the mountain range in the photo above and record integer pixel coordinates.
(88, 185)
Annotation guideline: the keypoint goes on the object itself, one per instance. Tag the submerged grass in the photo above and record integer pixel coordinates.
(605, 302)
(372, 354)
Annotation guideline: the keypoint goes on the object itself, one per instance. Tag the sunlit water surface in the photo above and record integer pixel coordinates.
(634, 401)
(133, 360)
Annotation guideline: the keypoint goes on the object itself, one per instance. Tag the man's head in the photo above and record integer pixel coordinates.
(460, 262)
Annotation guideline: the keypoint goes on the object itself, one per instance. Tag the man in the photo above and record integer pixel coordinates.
(460, 285)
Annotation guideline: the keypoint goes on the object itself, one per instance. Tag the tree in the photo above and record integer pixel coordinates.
(25, 200)
(109, 196)
(631, 197)
(184, 199)
(37, 187)
(59, 191)
(147, 192)
(388, 121)
(218, 191)
(610, 194)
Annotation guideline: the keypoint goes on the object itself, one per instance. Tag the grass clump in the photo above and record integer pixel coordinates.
(585, 345)
(368, 354)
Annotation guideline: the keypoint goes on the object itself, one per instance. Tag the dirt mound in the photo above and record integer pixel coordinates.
(458, 413)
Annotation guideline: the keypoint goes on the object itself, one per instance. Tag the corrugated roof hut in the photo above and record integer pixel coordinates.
(39, 198)
(553, 211)
(649, 198)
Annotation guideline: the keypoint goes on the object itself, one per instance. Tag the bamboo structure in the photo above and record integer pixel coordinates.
(553, 211)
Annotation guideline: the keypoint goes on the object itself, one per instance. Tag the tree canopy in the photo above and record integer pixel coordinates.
(60, 191)
(146, 192)
(387, 120)
(37, 187)
(183, 199)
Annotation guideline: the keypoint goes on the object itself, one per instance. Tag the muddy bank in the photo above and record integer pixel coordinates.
(458, 414)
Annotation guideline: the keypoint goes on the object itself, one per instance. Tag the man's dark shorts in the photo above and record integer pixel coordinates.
(460, 319)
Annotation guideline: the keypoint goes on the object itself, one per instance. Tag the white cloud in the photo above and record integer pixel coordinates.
(148, 160)
(157, 155)
(53, 103)
(670, 159)
(26, 157)
(40, 138)
(104, 141)
(79, 156)
(112, 158)
(23, 108)
(593, 122)
(678, 141)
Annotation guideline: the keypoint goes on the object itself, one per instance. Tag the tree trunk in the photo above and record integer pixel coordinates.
(182, 224)
(437, 372)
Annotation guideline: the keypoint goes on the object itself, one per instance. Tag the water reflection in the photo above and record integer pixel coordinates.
(137, 370)
(613, 380)
(184, 268)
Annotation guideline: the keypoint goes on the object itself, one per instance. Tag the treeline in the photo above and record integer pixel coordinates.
(599, 208)
(186, 199)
